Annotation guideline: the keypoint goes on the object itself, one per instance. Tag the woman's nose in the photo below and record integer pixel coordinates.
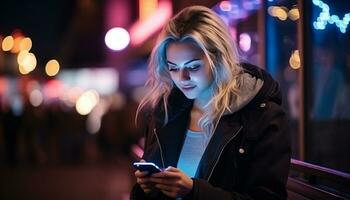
(184, 74)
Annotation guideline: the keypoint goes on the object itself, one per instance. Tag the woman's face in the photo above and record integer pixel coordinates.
(189, 69)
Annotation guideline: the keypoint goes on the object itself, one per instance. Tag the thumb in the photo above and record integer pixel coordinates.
(172, 169)
(142, 160)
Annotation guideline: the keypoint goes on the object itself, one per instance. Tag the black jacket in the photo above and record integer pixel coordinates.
(248, 156)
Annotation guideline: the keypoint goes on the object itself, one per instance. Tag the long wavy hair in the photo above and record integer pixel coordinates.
(201, 26)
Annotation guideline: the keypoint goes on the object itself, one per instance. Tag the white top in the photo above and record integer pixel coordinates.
(192, 151)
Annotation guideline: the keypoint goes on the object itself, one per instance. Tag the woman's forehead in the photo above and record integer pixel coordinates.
(178, 51)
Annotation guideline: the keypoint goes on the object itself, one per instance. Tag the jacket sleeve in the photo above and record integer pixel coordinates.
(136, 192)
(265, 173)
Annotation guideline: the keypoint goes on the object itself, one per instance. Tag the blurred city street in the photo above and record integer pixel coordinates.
(108, 181)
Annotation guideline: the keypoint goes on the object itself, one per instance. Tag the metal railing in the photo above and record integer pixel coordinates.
(309, 188)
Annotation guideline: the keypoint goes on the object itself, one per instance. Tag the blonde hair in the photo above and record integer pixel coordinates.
(202, 26)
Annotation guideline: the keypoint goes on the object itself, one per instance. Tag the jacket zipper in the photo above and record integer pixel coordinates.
(160, 147)
(217, 160)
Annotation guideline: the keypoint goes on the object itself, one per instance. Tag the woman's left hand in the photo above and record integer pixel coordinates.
(172, 182)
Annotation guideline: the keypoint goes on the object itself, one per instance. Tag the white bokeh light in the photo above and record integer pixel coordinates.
(36, 98)
(86, 102)
(117, 39)
(245, 42)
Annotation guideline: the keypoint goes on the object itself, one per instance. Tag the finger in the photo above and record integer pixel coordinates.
(166, 174)
(142, 160)
(165, 187)
(139, 181)
(143, 181)
(172, 169)
(140, 174)
(163, 181)
(145, 187)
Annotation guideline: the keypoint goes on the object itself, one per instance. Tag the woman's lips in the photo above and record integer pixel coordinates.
(187, 88)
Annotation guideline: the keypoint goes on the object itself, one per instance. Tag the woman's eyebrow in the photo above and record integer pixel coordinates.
(169, 62)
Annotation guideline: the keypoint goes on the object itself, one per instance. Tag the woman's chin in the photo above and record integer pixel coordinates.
(189, 96)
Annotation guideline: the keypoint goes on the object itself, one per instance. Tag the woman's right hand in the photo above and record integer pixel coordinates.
(143, 180)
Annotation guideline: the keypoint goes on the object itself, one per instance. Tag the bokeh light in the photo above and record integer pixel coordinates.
(36, 98)
(245, 42)
(25, 44)
(27, 61)
(279, 12)
(325, 18)
(117, 39)
(21, 55)
(294, 14)
(93, 122)
(7, 43)
(225, 6)
(294, 60)
(86, 102)
(52, 67)
(22, 70)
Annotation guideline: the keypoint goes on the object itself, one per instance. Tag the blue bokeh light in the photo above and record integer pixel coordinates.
(325, 18)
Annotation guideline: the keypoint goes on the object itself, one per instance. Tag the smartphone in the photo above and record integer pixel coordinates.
(147, 166)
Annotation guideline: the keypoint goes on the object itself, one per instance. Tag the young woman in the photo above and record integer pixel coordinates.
(214, 124)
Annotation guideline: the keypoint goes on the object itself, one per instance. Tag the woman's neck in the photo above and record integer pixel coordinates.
(202, 100)
(196, 115)
(198, 105)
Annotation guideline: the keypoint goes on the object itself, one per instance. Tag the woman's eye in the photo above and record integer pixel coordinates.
(174, 69)
(194, 67)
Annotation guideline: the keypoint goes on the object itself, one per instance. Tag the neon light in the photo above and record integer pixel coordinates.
(143, 29)
(146, 8)
(324, 18)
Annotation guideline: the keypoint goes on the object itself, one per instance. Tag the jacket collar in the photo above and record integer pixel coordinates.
(172, 136)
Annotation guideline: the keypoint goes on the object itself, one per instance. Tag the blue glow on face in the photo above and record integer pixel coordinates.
(190, 70)
(325, 18)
